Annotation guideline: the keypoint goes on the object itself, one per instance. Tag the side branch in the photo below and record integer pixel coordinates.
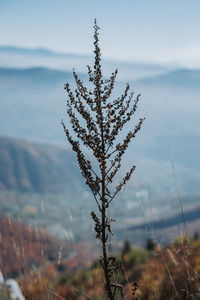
(123, 182)
(84, 165)
(121, 148)
(109, 87)
(83, 91)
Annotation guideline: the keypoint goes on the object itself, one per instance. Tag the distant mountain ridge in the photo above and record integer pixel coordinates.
(38, 75)
(179, 77)
(34, 71)
(37, 51)
(19, 57)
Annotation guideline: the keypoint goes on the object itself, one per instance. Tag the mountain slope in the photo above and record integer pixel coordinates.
(31, 167)
(42, 185)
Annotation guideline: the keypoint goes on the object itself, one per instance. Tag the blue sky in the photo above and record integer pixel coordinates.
(144, 30)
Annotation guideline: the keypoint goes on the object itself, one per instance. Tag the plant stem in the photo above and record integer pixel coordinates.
(105, 256)
(103, 217)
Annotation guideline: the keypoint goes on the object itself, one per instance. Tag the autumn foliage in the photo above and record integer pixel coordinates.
(23, 248)
(171, 272)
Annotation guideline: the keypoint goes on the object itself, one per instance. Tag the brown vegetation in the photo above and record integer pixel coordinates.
(23, 248)
(172, 272)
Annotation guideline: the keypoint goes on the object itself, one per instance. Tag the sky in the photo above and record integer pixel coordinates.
(132, 30)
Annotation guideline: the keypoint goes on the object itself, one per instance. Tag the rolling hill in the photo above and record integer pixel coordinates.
(37, 168)
(43, 187)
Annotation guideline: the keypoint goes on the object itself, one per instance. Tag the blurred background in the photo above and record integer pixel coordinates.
(156, 48)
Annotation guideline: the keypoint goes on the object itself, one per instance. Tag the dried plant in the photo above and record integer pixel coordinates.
(103, 120)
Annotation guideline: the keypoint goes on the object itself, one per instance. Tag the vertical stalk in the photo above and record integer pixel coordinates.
(104, 239)
(98, 135)
(103, 221)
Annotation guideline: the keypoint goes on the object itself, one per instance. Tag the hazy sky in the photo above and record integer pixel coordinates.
(143, 30)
